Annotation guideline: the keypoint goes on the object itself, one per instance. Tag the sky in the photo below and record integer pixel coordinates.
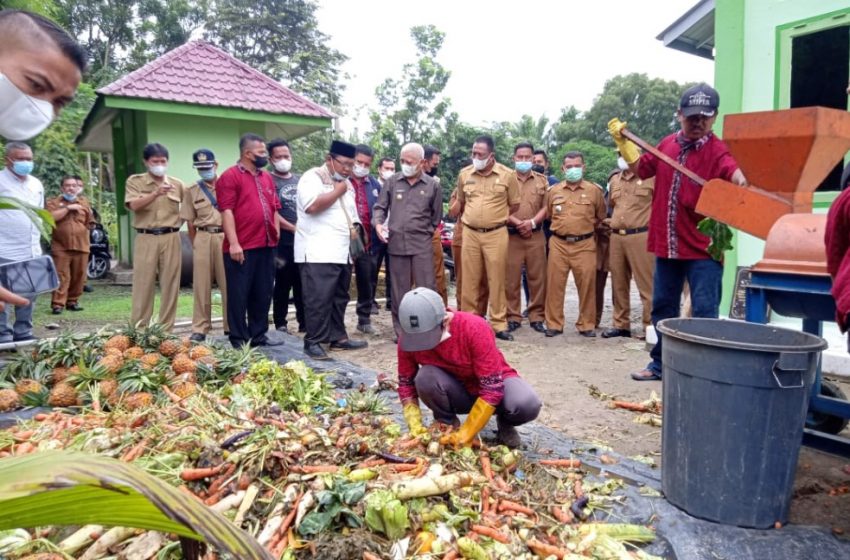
(508, 58)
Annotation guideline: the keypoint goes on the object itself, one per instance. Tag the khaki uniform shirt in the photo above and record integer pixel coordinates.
(197, 209)
(163, 212)
(71, 232)
(414, 212)
(487, 198)
(575, 209)
(631, 199)
(532, 195)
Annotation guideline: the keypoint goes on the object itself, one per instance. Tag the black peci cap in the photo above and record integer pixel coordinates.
(344, 149)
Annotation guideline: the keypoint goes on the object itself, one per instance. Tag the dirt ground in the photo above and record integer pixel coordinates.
(570, 372)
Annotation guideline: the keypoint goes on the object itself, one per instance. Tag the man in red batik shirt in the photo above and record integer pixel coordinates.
(449, 359)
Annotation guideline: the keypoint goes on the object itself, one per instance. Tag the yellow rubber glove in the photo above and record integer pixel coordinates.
(475, 422)
(413, 417)
(628, 149)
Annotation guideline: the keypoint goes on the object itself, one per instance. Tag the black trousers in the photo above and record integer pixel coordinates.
(287, 279)
(249, 292)
(325, 300)
(379, 256)
(365, 292)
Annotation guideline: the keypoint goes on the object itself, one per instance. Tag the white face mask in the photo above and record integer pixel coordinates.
(21, 116)
(409, 170)
(360, 171)
(157, 170)
(480, 164)
(621, 163)
(386, 174)
(283, 165)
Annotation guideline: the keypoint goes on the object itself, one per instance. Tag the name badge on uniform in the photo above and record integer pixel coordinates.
(422, 192)
(558, 208)
(398, 196)
(374, 192)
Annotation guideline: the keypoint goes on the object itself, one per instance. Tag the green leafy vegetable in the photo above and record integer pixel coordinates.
(386, 514)
(720, 234)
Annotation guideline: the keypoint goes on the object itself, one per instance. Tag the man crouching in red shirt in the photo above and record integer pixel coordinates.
(449, 359)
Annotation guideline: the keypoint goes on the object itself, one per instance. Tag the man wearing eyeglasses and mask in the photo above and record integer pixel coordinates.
(326, 208)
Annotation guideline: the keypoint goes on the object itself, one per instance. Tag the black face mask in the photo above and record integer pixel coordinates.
(260, 161)
(433, 171)
(538, 168)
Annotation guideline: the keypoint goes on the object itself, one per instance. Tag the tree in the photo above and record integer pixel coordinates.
(647, 104)
(280, 38)
(411, 108)
(570, 127)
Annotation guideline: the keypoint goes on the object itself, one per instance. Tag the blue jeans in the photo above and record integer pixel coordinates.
(705, 279)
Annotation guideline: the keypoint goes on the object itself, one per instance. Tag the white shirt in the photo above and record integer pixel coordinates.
(20, 238)
(323, 237)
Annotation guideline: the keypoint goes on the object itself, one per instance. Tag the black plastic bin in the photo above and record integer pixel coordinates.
(735, 400)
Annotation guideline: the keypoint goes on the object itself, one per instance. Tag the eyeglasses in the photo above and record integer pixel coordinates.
(344, 165)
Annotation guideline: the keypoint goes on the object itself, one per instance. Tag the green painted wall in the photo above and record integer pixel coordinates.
(746, 66)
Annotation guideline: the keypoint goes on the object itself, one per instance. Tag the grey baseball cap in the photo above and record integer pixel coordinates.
(421, 315)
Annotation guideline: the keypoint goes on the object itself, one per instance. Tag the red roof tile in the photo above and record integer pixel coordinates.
(202, 74)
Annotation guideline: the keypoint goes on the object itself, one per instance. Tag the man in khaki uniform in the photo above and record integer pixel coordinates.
(430, 166)
(489, 194)
(200, 210)
(69, 244)
(630, 198)
(527, 243)
(154, 198)
(575, 207)
(457, 250)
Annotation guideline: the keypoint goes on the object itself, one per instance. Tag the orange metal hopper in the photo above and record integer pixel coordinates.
(785, 155)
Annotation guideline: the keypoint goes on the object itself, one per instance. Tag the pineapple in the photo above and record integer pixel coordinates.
(184, 389)
(111, 362)
(63, 395)
(59, 374)
(169, 347)
(136, 401)
(183, 364)
(9, 400)
(134, 353)
(120, 342)
(108, 387)
(150, 360)
(27, 385)
(209, 362)
(200, 351)
(186, 342)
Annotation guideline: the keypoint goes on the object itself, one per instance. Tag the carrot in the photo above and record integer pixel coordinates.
(24, 448)
(562, 516)
(216, 484)
(409, 444)
(500, 484)
(368, 463)
(280, 546)
(451, 555)
(369, 556)
(287, 521)
(25, 435)
(139, 422)
(199, 473)
(494, 534)
(485, 499)
(563, 463)
(545, 550)
(486, 467)
(402, 467)
(634, 407)
(172, 396)
(314, 469)
(40, 417)
(135, 452)
(4, 454)
(214, 498)
(507, 505)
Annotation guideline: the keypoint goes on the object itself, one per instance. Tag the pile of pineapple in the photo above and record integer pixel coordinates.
(127, 368)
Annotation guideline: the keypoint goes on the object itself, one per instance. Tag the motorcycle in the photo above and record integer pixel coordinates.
(100, 259)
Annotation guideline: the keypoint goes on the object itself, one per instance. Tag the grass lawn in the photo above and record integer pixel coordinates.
(107, 304)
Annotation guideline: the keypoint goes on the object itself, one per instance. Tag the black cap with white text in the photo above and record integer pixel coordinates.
(701, 99)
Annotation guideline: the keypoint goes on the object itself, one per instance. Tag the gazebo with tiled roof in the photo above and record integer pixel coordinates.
(195, 96)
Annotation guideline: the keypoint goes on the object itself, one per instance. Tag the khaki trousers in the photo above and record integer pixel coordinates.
(440, 268)
(580, 258)
(156, 256)
(71, 267)
(530, 252)
(630, 259)
(483, 292)
(486, 255)
(207, 266)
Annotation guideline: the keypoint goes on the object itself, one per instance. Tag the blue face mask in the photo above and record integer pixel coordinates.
(69, 197)
(207, 174)
(22, 168)
(522, 166)
(573, 174)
